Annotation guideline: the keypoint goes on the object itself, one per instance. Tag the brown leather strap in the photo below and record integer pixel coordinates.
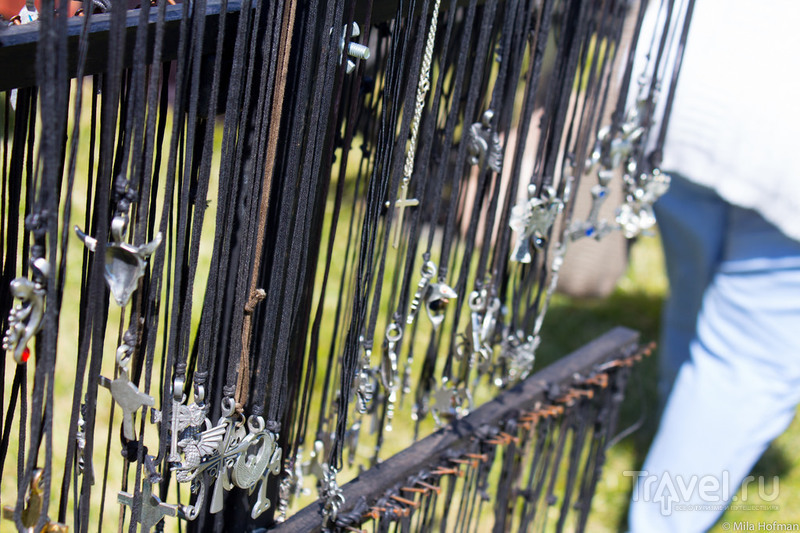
(257, 294)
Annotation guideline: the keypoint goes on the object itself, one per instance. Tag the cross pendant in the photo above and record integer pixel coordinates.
(152, 510)
(400, 204)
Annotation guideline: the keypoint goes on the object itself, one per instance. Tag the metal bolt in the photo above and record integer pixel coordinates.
(357, 50)
(354, 50)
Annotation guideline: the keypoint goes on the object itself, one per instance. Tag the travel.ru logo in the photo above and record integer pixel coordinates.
(696, 493)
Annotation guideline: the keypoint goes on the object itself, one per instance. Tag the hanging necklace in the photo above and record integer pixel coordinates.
(422, 90)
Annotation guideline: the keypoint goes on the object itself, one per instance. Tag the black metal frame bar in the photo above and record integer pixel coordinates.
(18, 44)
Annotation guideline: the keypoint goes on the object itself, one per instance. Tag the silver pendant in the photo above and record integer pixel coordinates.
(594, 227)
(482, 327)
(291, 485)
(435, 297)
(32, 510)
(194, 444)
(611, 151)
(129, 399)
(389, 370)
(253, 468)
(635, 216)
(194, 448)
(484, 144)
(331, 494)
(436, 300)
(185, 417)
(152, 508)
(80, 439)
(125, 263)
(365, 381)
(428, 271)
(25, 318)
(450, 403)
(532, 221)
(242, 459)
(220, 465)
(519, 356)
(313, 466)
(351, 441)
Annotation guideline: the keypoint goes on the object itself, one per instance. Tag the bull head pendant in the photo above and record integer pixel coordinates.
(124, 262)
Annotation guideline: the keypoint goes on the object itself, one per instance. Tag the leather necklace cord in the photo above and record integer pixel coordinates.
(657, 153)
(256, 295)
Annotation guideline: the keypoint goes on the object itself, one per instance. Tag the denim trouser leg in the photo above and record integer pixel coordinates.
(692, 222)
(740, 385)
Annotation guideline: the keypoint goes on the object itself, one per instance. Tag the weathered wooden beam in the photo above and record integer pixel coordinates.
(428, 452)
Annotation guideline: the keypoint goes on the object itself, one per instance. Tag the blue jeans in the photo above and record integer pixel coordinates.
(731, 342)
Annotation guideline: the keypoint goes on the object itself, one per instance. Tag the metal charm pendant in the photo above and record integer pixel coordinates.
(235, 457)
(482, 328)
(611, 152)
(220, 464)
(153, 510)
(351, 441)
(25, 318)
(195, 446)
(532, 221)
(365, 380)
(519, 357)
(389, 372)
(254, 467)
(435, 296)
(484, 144)
(593, 226)
(436, 300)
(291, 485)
(186, 431)
(636, 216)
(428, 271)
(127, 395)
(450, 403)
(32, 510)
(330, 494)
(313, 467)
(125, 263)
